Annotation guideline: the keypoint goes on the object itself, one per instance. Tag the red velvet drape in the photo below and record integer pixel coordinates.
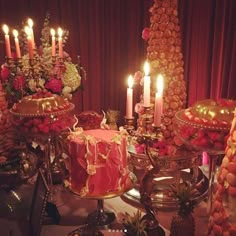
(107, 36)
(209, 46)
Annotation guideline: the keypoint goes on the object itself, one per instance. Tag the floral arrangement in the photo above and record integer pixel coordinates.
(22, 77)
(160, 147)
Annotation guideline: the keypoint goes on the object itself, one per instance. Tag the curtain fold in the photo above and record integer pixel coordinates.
(209, 48)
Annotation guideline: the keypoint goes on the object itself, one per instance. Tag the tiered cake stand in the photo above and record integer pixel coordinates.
(215, 152)
(46, 139)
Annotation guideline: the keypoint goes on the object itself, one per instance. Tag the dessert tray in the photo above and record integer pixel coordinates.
(200, 136)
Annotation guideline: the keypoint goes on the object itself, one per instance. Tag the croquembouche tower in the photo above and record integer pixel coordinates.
(223, 215)
(164, 53)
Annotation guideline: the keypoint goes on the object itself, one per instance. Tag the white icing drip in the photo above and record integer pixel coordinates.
(76, 122)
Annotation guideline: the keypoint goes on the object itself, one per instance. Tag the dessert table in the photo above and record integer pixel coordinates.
(15, 206)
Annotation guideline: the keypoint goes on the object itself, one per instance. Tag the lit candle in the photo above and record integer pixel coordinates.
(31, 23)
(15, 34)
(60, 32)
(129, 101)
(146, 86)
(7, 40)
(52, 31)
(158, 101)
(30, 42)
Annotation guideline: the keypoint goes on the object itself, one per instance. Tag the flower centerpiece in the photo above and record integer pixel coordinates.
(40, 68)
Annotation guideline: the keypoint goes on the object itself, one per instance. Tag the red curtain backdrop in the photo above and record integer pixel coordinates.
(209, 46)
(107, 36)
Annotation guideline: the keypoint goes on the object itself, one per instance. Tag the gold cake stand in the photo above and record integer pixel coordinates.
(215, 153)
(47, 140)
(100, 218)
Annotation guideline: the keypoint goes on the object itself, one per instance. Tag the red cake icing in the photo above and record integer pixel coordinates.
(98, 163)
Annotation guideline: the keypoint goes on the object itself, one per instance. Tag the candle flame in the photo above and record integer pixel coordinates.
(5, 29)
(30, 22)
(146, 68)
(15, 33)
(27, 30)
(59, 32)
(52, 31)
(160, 84)
(130, 81)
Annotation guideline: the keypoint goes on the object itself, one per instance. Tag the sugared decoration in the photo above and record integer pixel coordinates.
(206, 124)
(98, 163)
(223, 215)
(164, 53)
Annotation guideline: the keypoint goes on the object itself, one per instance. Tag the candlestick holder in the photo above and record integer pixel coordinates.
(156, 130)
(148, 120)
(146, 186)
(60, 61)
(10, 62)
(54, 59)
(129, 123)
(32, 62)
(18, 62)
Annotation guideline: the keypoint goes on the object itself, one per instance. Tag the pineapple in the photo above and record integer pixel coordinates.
(183, 223)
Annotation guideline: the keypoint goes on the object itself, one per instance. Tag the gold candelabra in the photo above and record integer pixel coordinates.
(149, 134)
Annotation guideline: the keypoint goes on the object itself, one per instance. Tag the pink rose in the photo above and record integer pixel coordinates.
(5, 73)
(139, 108)
(145, 33)
(55, 85)
(19, 83)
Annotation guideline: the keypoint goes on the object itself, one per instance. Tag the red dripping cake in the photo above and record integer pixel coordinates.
(98, 163)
